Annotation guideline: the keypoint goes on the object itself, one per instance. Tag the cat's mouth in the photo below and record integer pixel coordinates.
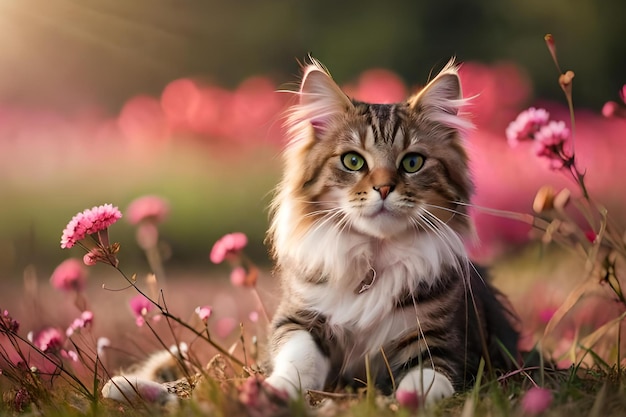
(382, 210)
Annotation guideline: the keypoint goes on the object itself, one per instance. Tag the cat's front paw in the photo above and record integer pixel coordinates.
(283, 385)
(423, 386)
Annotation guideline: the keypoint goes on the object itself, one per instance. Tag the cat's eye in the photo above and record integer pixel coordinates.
(412, 162)
(353, 161)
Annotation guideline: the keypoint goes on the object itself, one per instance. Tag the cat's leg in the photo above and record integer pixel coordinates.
(130, 388)
(298, 364)
(426, 384)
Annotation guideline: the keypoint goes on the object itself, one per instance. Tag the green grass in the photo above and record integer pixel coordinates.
(575, 393)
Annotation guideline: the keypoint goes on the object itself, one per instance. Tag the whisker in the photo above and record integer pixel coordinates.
(507, 214)
(447, 209)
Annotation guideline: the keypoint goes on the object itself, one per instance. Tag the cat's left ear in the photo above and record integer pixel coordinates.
(321, 99)
(442, 98)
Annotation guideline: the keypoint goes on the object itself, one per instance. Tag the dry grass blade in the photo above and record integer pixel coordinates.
(590, 340)
(569, 302)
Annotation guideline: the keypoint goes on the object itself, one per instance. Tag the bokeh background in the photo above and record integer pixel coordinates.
(106, 100)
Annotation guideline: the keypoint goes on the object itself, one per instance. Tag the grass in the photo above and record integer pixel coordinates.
(575, 392)
(583, 389)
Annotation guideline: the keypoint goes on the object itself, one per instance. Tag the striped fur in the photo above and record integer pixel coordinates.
(372, 260)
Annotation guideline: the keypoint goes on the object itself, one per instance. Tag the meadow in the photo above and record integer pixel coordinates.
(173, 253)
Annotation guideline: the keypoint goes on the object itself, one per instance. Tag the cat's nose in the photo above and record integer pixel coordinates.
(384, 190)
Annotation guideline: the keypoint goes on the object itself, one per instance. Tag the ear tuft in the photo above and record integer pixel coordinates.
(442, 99)
(320, 100)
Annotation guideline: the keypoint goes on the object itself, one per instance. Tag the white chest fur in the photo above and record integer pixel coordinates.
(365, 277)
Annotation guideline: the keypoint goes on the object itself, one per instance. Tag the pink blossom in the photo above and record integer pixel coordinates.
(550, 142)
(225, 326)
(204, 312)
(48, 340)
(379, 86)
(229, 245)
(536, 400)
(253, 316)
(622, 93)
(610, 109)
(546, 314)
(238, 276)
(526, 125)
(70, 354)
(91, 257)
(88, 222)
(142, 118)
(82, 322)
(70, 275)
(140, 306)
(408, 399)
(8, 323)
(148, 208)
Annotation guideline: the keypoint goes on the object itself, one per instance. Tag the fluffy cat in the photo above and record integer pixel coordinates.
(366, 233)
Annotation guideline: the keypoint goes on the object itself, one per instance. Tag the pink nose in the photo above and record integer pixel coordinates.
(384, 190)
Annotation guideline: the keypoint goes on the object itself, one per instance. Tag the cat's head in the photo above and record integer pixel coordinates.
(379, 170)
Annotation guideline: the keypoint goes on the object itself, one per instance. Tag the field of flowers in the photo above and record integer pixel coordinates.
(172, 254)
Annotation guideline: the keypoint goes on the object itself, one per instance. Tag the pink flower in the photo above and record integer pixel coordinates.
(91, 257)
(88, 222)
(49, 340)
(148, 208)
(613, 109)
(408, 399)
(229, 245)
(85, 319)
(204, 312)
(70, 275)
(536, 401)
(70, 354)
(240, 277)
(140, 307)
(550, 142)
(546, 314)
(8, 323)
(225, 326)
(526, 125)
(253, 316)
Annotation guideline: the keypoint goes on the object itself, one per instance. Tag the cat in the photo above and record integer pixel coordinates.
(367, 237)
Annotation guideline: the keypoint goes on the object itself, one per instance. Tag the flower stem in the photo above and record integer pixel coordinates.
(168, 315)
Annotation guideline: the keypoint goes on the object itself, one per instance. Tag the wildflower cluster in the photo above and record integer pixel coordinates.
(93, 223)
(551, 139)
(578, 223)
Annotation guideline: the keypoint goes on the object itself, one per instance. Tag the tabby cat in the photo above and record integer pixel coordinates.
(366, 232)
(367, 236)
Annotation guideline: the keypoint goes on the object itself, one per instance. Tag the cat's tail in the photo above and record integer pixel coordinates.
(148, 382)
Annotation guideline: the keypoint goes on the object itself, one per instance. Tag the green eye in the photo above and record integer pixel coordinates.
(412, 162)
(353, 161)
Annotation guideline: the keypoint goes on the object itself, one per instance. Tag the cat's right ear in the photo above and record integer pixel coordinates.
(321, 99)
